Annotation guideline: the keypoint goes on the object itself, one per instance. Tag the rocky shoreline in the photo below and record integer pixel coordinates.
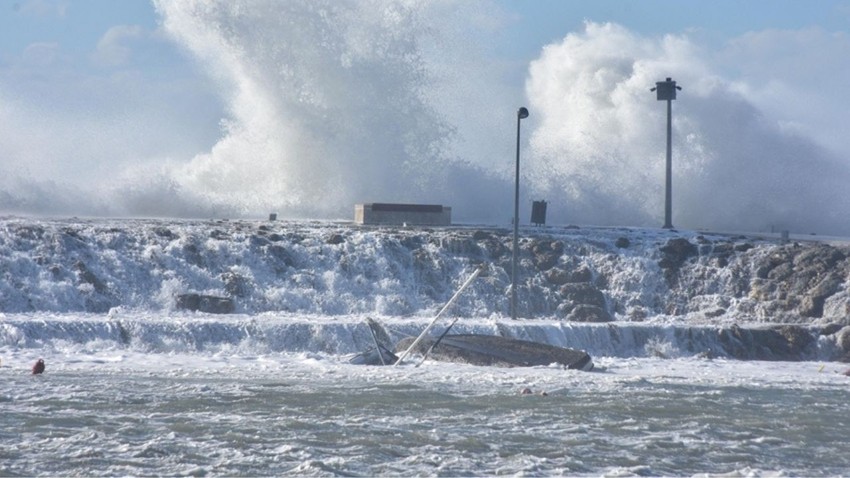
(759, 290)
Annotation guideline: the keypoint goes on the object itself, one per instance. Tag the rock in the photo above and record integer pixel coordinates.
(164, 232)
(258, 241)
(830, 329)
(280, 254)
(557, 276)
(560, 276)
(798, 339)
(588, 313)
(193, 255)
(721, 252)
(335, 239)
(459, 245)
(219, 235)
(778, 343)
(622, 242)
(491, 244)
(843, 341)
(765, 267)
(581, 273)
(799, 280)
(30, 231)
(743, 247)
(235, 284)
(480, 235)
(88, 277)
(676, 252)
(546, 254)
(205, 303)
(820, 256)
(812, 304)
(410, 242)
(715, 312)
(583, 293)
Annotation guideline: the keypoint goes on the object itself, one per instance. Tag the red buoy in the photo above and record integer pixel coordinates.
(38, 367)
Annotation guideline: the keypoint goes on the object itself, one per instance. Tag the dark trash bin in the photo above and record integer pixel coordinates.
(538, 213)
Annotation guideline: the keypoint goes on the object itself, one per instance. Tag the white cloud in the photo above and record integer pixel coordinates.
(41, 54)
(43, 8)
(113, 49)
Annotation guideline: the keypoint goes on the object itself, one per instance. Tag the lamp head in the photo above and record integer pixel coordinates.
(665, 90)
(522, 113)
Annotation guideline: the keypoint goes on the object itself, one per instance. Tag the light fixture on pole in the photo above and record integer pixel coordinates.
(666, 91)
(521, 113)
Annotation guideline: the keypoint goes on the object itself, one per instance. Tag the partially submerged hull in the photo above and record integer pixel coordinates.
(380, 354)
(474, 349)
(493, 350)
(374, 356)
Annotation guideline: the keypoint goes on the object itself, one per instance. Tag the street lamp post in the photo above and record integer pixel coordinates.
(521, 113)
(666, 91)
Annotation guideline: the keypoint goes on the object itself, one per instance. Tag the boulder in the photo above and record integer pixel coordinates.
(843, 342)
(559, 276)
(205, 303)
(676, 252)
(797, 340)
(545, 254)
(583, 293)
(490, 243)
(88, 277)
(811, 305)
(787, 342)
(589, 313)
(335, 239)
(236, 284)
(799, 280)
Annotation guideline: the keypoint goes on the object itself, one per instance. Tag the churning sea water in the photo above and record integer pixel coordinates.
(116, 412)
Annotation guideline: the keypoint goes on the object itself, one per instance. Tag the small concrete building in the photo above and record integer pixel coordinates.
(399, 214)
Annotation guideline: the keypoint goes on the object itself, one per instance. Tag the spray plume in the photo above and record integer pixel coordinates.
(334, 102)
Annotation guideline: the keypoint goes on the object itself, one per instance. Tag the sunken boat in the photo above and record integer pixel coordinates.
(475, 349)
(494, 350)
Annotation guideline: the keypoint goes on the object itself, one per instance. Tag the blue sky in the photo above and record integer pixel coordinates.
(123, 94)
(79, 24)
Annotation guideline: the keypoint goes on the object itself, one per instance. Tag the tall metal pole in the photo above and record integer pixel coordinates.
(666, 91)
(668, 196)
(521, 113)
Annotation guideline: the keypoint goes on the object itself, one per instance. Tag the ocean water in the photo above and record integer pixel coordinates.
(108, 408)
(136, 386)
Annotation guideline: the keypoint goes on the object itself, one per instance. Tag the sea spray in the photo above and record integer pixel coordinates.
(599, 144)
(331, 104)
(327, 104)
